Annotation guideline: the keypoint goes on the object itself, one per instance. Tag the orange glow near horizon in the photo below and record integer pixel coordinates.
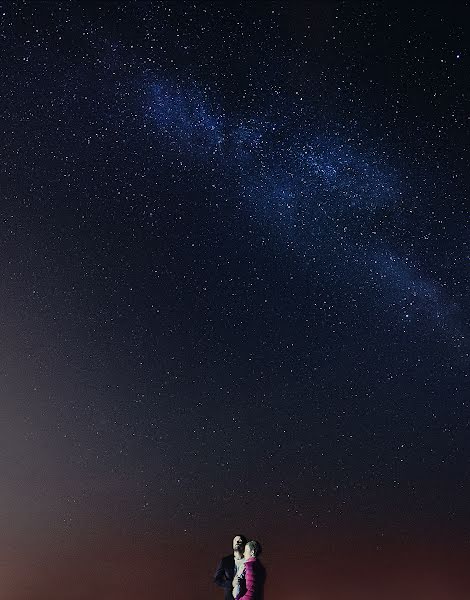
(125, 570)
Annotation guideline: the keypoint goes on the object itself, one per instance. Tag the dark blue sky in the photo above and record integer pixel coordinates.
(233, 273)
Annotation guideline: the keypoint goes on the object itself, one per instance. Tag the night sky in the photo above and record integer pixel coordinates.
(233, 298)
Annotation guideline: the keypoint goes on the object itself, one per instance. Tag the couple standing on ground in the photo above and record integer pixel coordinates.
(241, 574)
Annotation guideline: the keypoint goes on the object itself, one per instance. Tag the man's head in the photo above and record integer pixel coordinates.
(252, 549)
(239, 542)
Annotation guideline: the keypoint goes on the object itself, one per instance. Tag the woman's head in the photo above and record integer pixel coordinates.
(252, 549)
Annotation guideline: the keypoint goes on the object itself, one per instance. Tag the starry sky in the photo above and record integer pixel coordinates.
(233, 298)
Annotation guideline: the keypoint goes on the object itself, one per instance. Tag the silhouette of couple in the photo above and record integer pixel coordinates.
(241, 574)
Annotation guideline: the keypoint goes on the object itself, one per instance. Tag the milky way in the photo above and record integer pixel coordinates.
(310, 187)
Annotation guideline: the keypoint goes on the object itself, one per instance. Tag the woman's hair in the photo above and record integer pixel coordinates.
(255, 547)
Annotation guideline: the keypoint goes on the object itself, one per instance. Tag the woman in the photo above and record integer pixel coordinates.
(255, 573)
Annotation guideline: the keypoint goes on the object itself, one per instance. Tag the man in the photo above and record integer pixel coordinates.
(227, 567)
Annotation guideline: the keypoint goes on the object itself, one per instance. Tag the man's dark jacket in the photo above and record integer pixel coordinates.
(224, 575)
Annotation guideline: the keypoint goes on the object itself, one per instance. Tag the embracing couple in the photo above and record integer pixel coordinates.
(241, 574)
